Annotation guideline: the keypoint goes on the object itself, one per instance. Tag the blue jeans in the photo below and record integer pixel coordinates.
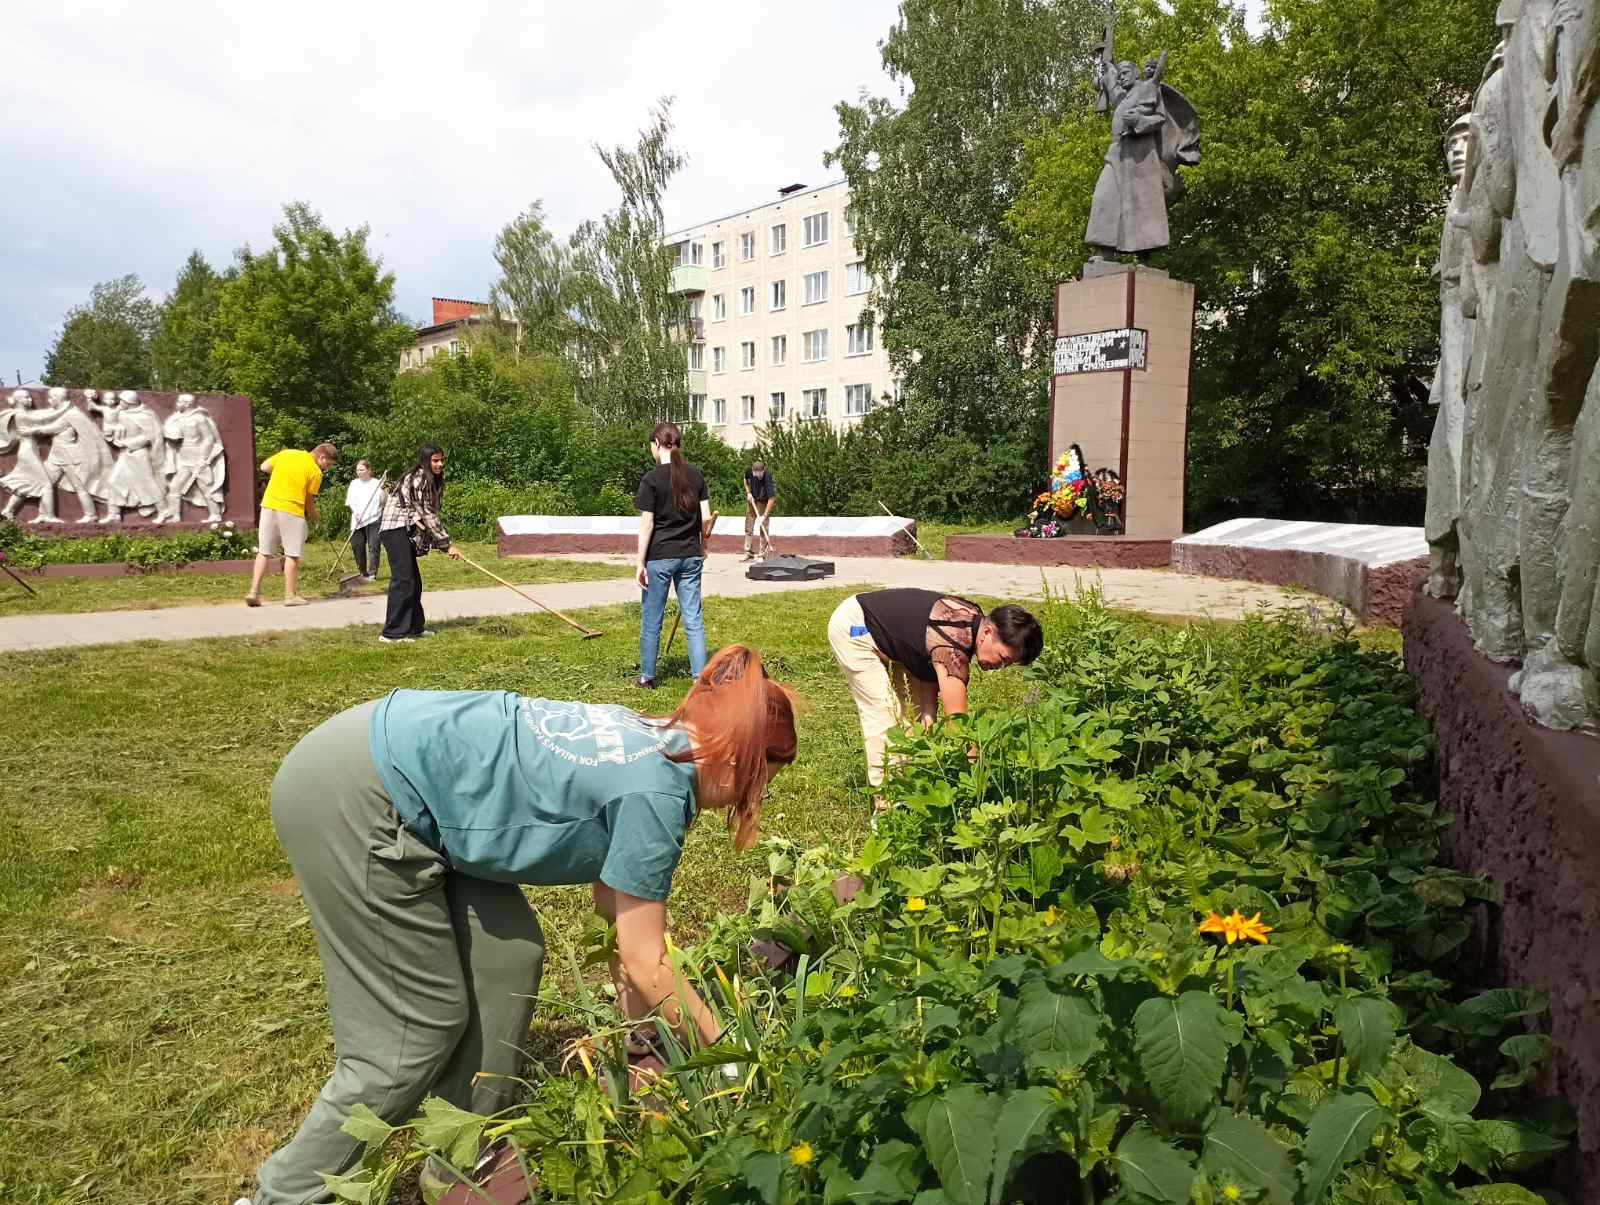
(683, 573)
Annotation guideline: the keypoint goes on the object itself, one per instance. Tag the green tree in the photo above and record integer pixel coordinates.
(628, 321)
(308, 328)
(1309, 229)
(106, 343)
(186, 333)
(963, 311)
(531, 299)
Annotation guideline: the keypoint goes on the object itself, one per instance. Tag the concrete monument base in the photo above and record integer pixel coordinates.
(1089, 552)
(865, 535)
(1526, 801)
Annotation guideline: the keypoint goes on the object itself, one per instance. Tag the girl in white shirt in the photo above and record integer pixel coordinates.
(365, 498)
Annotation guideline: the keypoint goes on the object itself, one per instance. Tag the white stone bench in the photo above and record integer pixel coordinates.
(802, 535)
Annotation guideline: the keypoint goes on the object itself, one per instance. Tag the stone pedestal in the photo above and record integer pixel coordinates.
(1134, 419)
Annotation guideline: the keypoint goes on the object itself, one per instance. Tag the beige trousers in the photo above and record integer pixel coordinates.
(880, 688)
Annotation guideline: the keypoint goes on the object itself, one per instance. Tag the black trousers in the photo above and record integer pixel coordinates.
(364, 542)
(405, 616)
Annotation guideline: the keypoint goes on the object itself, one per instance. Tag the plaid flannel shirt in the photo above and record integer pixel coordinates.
(412, 505)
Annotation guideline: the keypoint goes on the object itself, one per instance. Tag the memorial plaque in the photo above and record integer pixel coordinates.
(1101, 351)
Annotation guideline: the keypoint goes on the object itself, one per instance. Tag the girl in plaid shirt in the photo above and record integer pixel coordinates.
(414, 504)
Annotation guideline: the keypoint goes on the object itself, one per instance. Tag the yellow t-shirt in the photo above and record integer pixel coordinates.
(295, 477)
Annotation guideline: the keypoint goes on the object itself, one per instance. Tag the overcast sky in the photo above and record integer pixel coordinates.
(134, 132)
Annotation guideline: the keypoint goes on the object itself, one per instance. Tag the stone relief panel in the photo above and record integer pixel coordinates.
(1513, 518)
(78, 461)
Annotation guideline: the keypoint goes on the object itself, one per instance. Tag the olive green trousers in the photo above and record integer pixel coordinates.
(431, 975)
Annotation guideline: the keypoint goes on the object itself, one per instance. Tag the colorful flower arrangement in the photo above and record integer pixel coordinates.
(1075, 495)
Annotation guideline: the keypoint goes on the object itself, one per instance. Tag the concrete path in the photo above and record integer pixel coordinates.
(1157, 592)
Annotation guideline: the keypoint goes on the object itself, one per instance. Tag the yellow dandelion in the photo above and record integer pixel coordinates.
(952, 928)
(915, 904)
(1230, 1192)
(1339, 950)
(1234, 927)
(1052, 915)
(801, 1154)
(980, 933)
(848, 991)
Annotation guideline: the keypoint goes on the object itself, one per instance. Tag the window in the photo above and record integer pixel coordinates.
(747, 245)
(697, 253)
(780, 349)
(719, 411)
(780, 238)
(719, 255)
(815, 404)
(747, 300)
(719, 307)
(747, 408)
(680, 254)
(776, 410)
(719, 359)
(814, 229)
(697, 357)
(857, 400)
(747, 355)
(697, 407)
(858, 339)
(850, 220)
(694, 307)
(816, 287)
(856, 278)
(816, 346)
(780, 294)
(455, 346)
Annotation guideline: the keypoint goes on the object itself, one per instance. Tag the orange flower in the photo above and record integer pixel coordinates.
(1234, 927)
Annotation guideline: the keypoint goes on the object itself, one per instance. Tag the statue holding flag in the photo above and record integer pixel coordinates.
(1154, 131)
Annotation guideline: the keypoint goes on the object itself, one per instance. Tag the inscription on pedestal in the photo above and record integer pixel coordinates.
(1101, 351)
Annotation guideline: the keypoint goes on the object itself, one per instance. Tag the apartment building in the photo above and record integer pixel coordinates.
(453, 320)
(778, 320)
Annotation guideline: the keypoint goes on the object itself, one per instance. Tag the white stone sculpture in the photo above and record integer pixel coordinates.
(27, 478)
(78, 453)
(133, 482)
(1520, 502)
(194, 462)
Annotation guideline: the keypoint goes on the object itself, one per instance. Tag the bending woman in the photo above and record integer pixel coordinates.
(673, 505)
(414, 506)
(409, 855)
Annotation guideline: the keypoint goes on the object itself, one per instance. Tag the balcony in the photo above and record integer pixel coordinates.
(689, 278)
(697, 380)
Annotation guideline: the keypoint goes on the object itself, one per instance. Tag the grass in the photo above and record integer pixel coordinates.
(318, 577)
(166, 1025)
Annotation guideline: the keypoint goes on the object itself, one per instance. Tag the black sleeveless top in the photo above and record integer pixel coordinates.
(899, 622)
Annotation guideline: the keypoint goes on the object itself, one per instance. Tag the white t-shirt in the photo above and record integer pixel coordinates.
(362, 499)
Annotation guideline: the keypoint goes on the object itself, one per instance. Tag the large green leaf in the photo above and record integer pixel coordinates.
(1183, 1045)
(1023, 1118)
(763, 1172)
(1366, 1026)
(367, 1127)
(891, 1177)
(1531, 1052)
(453, 1130)
(958, 1134)
(1500, 1194)
(1153, 1169)
(1053, 1022)
(1516, 1146)
(1340, 1130)
(1241, 1146)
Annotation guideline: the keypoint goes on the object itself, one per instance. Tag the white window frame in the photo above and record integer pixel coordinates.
(719, 307)
(747, 300)
(858, 339)
(747, 354)
(719, 254)
(747, 246)
(817, 339)
(853, 408)
(780, 350)
(747, 407)
(778, 238)
(816, 288)
(814, 403)
(777, 406)
(850, 221)
(697, 357)
(719, 412)
(810, 226)
(694, 307)
(780, 294)
(858, 267)
(697, 407)
(719, 359)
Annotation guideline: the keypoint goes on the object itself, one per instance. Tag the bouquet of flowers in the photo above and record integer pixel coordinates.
(1076, 499)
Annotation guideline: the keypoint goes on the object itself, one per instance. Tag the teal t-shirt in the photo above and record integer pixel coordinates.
(537, 791)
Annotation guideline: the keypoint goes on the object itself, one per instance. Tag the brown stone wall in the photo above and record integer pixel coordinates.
(626, 545)
(1526, 801)
(234, 416)
(1103, 552)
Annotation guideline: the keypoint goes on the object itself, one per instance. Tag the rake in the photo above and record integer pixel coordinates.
(588, 633)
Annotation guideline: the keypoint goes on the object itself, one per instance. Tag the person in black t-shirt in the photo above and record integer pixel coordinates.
(673, 505)
(759, 497)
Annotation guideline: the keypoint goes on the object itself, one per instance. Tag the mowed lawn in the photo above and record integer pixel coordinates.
(165, 1025)
(323, 566)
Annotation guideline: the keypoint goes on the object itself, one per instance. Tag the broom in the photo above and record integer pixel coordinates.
(351, 580)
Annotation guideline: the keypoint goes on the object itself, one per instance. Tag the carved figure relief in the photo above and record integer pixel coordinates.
(1514, 520)
(130, 461)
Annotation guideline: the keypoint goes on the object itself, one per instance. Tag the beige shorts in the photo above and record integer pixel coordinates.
(280, 531)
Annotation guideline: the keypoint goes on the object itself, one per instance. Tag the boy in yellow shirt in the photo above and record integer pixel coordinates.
(287, 508)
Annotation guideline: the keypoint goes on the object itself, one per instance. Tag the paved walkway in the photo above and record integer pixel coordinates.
(1157, 592)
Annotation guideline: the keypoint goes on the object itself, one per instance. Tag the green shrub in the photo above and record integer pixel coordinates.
(27, 550)
(471, 508)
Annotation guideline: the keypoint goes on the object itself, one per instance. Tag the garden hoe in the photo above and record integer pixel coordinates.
(705, 542)
(350, 581)
(923, 552)
(588, 633)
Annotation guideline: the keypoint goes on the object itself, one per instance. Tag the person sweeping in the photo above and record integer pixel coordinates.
(412, 823)
(759, 498)
(894, 643)
(410, 526)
